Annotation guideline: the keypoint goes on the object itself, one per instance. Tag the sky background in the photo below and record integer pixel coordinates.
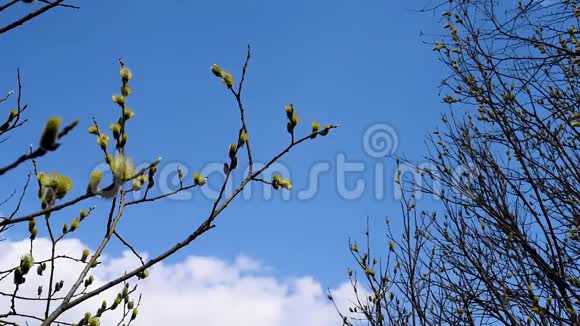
(352, 63)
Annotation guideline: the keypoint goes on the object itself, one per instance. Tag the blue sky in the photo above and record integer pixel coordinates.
(353, 63)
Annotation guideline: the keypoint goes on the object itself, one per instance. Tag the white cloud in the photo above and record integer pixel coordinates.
(198, 290)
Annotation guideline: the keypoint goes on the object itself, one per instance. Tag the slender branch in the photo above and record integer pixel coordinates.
(29, 16)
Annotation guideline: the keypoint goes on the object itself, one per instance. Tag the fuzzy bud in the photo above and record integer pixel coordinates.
(94, 181)
(93, 130)
(134, 314)
(124, 140)
(89, 281)
(198, 179)
(12, 115)
(243, 139)
(83, 214)
(59, 184)
(74, 224)
(289, 108)
(143, 274)
(116, 129)
(94, 321)
(326, 129)
(216, 70)
(118, 99)
(50, 133)
(85, 255)
(228, 79)
(122, 168)
(128, 114)
(126, 90)
(26, 263)
(295, 119)
(126, 74)
(279, 182)
(103, 140)
(232, 152)
(315, 129)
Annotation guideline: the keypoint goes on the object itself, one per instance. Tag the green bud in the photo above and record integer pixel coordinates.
(93, 130)
(89, 281)
(125, 74)
(126, 90)
(279, 182)
(315, 128)
(65, 228)
(326, 129)
(103, 140)
(289, 108)
(26, 263)
(137, 184)
(243, 139)
(118, 99)
(122, 167)
(50, 133)
(124, 140)
(369, 271)
(143, 274)
(59, 183)
(295, 119)
(233, 148)
(94, 181)
(198, 179)
(142, 178)
(116, 129)
(134, 314)
(12, 115)
(31, 224)
(83, 214)
(285, 183)
(217, 71)
(228, 79)
(128, 114)
(74, 224)
(85, 255)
